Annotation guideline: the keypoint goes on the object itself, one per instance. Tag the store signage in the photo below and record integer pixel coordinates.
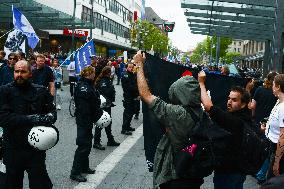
(78, 33)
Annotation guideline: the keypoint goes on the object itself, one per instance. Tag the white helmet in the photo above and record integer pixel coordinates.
(43, 138)
(104, 121)
(103, 101)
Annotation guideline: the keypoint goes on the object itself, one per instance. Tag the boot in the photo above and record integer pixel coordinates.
(98, 146)
(78, 178)
(112, 143)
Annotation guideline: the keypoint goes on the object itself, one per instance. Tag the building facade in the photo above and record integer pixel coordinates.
(111, 20)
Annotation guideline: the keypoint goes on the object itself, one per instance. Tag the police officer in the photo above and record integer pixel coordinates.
(87, 102)
(105, 87)
(130, 93)
(22, 106)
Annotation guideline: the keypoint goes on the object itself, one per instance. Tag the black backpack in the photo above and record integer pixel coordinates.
(254, 149)
(211, 141)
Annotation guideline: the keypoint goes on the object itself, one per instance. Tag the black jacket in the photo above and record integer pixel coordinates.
(16, 102)
(87, 102)
(234, 123)
(106, 88)
(129, 86)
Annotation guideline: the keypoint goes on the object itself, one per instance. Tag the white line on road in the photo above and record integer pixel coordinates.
(106, 166)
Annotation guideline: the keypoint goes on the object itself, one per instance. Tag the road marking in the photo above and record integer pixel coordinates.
(106, 166)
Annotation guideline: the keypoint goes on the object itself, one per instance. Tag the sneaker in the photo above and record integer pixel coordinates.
(99, 146)
(58, 107)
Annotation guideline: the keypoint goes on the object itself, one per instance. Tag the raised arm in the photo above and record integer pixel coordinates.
(143, 87)
(205, 99)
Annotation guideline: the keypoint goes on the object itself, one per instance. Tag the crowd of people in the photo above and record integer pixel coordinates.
(30, 95)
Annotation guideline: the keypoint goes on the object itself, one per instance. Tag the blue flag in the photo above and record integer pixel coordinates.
(82, 56)
(21, 23)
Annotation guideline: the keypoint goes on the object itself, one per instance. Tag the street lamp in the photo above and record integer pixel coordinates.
(73, 26)
(92, 19)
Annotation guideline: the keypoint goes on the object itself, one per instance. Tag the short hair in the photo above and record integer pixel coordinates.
(40, 56)
(3, 53)
(25, 62)
(245, 96)
(226, 70)
(13, 54)
(279, 81)
(87, 71)
(268, 81)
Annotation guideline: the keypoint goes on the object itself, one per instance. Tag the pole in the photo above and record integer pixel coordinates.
(73, 26)
(92, 19)
(6, 33)
(218, 50)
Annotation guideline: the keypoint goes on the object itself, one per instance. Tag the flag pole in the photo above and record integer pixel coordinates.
(72, 54)
(6, 33)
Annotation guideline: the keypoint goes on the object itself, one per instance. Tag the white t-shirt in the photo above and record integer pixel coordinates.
(275, 121)
(71, 69)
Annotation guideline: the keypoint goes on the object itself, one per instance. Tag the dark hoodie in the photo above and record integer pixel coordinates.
(185, 92)
(234, 123)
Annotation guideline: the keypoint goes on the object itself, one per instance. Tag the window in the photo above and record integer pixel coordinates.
(86, 14)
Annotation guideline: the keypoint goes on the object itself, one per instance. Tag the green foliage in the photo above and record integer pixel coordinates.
(144, 35)
(224, 43)
(231, 57)
(198, 52)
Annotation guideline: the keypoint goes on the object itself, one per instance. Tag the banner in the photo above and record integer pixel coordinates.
(15, 42)
(82, 56)
(160, 75)
(22, 24)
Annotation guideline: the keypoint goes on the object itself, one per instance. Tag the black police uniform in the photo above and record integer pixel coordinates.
(87, 102)
(6, 75)
(130, 93)
(105, 88)
(18, 105)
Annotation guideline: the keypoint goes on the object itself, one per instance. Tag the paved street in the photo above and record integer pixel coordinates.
(114, 169)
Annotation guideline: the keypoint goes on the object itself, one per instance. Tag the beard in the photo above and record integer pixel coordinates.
(21, 81)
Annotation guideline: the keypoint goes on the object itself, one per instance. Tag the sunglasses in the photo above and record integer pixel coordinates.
(13, 59)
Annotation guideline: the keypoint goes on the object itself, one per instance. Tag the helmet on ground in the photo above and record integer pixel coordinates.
(103, 101)
(104, 121)
(43, 138)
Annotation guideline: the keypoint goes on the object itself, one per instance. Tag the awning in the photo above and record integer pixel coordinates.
(40, 16)
(239, 19)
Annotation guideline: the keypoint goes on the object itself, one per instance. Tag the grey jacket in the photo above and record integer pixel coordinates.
(184, 92)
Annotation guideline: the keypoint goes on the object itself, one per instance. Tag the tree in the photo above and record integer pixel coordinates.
(231, 57)
(144, 35)
(199, 52)
(224, 43)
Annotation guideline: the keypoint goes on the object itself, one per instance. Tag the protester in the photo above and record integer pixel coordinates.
(104, 86)
(24, 105)
(130, 94)
(275, 129)
(3, 61)
(225, 70)
(72, 76)
(229, 174)
(177, 123)
(7, 72)
(261, 105)
(88, 112)
(43, 74)
(58, 75)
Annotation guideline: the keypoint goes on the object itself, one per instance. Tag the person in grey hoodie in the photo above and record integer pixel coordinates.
(183, 94)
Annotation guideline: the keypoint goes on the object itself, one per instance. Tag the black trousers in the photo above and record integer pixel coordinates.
(183, 184)
(98, 133)
(129, 111)
(272, 150)
(84, 143)
(137, 107)
(72, 81)
(17, 161)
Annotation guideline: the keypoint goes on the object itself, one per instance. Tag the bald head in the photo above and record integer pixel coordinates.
(22, 72)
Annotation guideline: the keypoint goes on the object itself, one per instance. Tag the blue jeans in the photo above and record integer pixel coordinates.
(228, 181)
(261, 175)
